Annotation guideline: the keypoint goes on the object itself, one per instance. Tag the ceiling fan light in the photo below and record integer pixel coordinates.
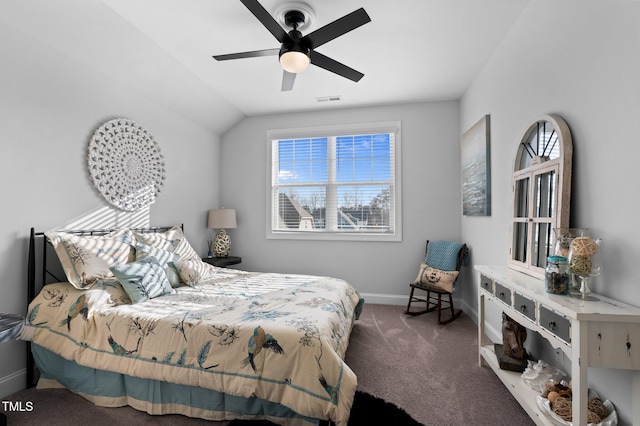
(294, 61)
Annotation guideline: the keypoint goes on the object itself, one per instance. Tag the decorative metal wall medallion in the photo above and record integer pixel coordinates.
(126, 165)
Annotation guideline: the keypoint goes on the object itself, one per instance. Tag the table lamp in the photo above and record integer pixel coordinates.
(222, 219)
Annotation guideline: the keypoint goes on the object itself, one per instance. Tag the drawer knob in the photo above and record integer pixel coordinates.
(523, 308)
(552, 325)
(501, 295)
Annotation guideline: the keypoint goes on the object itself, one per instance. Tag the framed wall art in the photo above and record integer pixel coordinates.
(126, 165)
(476, 170)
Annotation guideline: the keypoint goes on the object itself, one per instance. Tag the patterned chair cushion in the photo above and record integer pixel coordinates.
(436, 278)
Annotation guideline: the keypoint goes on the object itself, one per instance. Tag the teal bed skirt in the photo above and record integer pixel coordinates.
(109, 389)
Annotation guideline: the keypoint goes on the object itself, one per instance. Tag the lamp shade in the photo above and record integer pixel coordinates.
(294, 61)
(222, 219)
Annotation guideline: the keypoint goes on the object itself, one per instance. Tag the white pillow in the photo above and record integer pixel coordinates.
(194, 272)
(86, 259)
(172, 240)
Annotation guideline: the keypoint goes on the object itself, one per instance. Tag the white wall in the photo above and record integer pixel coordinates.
(381, 270)
(50, 106)
(579, 60)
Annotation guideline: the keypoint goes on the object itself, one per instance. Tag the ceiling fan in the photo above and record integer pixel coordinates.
(296, 51)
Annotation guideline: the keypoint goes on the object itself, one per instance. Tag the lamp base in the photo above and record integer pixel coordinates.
(222, 244)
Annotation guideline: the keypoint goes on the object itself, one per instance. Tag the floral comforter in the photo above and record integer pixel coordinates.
(277, 337)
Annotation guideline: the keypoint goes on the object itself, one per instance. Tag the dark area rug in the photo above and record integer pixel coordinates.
(367, 410)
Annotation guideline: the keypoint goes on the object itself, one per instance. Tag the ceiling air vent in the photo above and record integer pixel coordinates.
(329, 98)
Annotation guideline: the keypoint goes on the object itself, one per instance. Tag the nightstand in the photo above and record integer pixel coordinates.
(10, 326)
(222, 262)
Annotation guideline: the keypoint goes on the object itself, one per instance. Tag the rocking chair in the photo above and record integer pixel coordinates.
(437, 276)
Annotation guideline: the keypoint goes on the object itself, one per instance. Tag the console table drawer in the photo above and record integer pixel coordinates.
(486, 283)
(503, 293)
(556, 324)
(525, 306)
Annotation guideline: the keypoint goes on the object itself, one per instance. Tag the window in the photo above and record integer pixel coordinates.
(334, 183)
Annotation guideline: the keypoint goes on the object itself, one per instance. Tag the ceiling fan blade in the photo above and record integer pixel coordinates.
(337, 28)
(252, 54)
(334, 66)
(267, 20)
(288, 78)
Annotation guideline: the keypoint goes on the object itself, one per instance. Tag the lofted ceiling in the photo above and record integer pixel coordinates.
(412, 50)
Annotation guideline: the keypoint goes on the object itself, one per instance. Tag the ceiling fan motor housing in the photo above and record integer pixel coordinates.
(294, 44)
(294, 19)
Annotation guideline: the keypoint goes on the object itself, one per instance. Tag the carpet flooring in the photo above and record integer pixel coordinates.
(429, 371)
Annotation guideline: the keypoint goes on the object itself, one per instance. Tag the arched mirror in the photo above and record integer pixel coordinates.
(541, 192)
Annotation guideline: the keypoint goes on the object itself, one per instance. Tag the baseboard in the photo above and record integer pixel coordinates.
(402, 300)
(385, 299)
(491, 332)
(468, 310)
(13, 382)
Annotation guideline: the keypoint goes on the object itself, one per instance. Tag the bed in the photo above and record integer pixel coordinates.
(134, 317)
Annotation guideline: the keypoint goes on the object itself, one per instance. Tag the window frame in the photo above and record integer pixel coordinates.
(331, 131)
(524, 244)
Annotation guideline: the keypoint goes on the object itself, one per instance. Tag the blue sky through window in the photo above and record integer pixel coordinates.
(363, 158)
(303, 160)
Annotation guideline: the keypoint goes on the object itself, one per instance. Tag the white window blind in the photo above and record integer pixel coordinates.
(337, 182)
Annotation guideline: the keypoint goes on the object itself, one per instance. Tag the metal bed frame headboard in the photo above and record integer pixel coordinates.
(42, 270)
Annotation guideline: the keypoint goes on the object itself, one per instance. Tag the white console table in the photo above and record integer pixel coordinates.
(604, 333)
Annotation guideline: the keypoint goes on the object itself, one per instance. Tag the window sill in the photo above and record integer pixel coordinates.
(327, 236)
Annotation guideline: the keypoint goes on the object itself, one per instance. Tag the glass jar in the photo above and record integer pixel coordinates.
(557, 278)
(585, 261)
(564, 236)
